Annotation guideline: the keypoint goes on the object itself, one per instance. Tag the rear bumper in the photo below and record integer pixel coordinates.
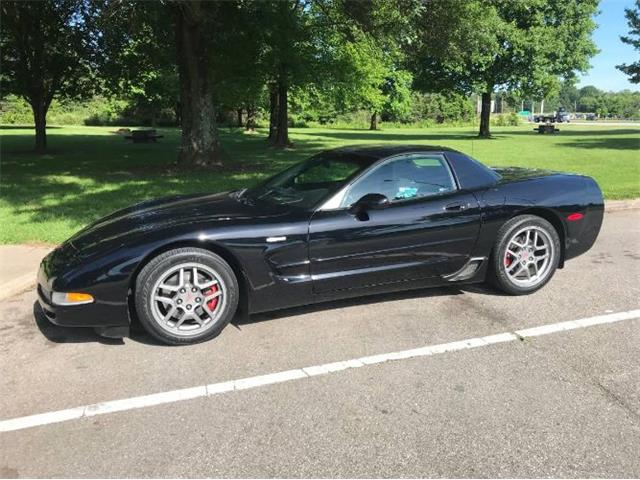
(581, 235)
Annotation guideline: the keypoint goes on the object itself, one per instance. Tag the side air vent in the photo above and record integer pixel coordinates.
(467, 271)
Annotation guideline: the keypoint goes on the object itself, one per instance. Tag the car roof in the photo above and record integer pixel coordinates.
(383, 151)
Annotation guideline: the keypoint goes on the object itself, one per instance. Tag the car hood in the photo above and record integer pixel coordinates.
(189, 210)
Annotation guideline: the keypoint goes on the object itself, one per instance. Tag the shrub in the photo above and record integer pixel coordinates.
(95, 111)
(505, 120)
(15, 111)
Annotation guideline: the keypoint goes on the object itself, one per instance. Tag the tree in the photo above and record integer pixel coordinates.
(47, 52)
(519, 46)
(137, 56)
(438, 107)
(363, 73)
(624, 104)
(569, 94)
(633, 19)
(200, 143)
(146, 42)
(397, 92)
(238, 76)
(290, 58)
(366, 44)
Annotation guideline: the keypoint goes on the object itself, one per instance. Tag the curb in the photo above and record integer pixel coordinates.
(18, 285)
(620, 205)
(14, 280)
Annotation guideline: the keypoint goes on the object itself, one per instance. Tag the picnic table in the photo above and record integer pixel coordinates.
(144, 136)
(546, 128)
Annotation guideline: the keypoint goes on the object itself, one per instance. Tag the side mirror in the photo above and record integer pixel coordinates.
(371, 201)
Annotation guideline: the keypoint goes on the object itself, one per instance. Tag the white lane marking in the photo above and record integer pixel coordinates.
(145, 401)
(112, 406)
(42, 419)
(573, 324)
(253, 382)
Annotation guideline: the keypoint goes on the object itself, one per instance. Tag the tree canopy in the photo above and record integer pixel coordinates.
(48, 51)
(317, 59)
(480, 45)
(633, 39)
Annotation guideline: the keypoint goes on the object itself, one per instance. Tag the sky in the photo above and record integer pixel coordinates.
(611, 24)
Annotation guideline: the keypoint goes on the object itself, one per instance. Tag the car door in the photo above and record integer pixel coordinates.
(428, 228)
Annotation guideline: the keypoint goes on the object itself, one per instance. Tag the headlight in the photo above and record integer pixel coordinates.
(70, 298)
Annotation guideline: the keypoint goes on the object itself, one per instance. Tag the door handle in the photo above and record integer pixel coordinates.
(455, 207)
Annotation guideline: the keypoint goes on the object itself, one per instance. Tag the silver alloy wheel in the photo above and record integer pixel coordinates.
(188, 299)
(528, 258)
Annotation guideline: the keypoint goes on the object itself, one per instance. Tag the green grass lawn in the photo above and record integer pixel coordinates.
(90, 171)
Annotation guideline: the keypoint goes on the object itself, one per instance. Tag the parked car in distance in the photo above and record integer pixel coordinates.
(560, 116)
(345, 223)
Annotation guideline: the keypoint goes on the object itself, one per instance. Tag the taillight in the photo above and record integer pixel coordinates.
(574, 217)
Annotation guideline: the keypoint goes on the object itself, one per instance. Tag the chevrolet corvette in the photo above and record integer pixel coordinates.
(345, 223)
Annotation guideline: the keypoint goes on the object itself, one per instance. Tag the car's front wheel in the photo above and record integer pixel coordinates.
(525, 256)
(186, 295)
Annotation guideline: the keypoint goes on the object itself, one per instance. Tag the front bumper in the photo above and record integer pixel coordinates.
(97, 314)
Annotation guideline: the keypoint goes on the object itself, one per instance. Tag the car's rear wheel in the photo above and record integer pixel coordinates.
(186, 295)
(525, 256)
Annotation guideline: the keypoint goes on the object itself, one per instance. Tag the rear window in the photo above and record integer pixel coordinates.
(471, 173)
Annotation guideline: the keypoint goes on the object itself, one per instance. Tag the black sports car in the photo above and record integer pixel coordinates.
(346, 222)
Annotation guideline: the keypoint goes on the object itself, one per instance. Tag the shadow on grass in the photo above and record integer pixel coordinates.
(380, 136)
(606, 143)
(84, 177)
(23, 127)
(89, 174)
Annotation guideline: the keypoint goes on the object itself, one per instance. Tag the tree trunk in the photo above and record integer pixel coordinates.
(40, 120)
(374, 121)
(273, 111)
(281, 138)
(251, 119)
(485, 115)
(240, 122)
(177, 109)
(200, 145)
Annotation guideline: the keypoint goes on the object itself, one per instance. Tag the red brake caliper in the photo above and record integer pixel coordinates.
(507, 260)
(213, 303)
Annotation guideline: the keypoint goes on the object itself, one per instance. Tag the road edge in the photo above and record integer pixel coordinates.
(619, 205)
(18, 285)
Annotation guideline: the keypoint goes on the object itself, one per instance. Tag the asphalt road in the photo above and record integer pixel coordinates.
(565, 404)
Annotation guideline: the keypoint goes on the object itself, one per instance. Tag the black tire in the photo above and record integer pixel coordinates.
(497, 274)
(154, 271)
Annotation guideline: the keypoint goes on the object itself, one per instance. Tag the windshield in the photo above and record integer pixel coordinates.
(306, 184)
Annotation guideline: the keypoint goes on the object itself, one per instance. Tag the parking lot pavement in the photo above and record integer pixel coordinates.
(564, 404)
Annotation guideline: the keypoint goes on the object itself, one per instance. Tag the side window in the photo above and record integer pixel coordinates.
(326, 172)
(411, 176)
